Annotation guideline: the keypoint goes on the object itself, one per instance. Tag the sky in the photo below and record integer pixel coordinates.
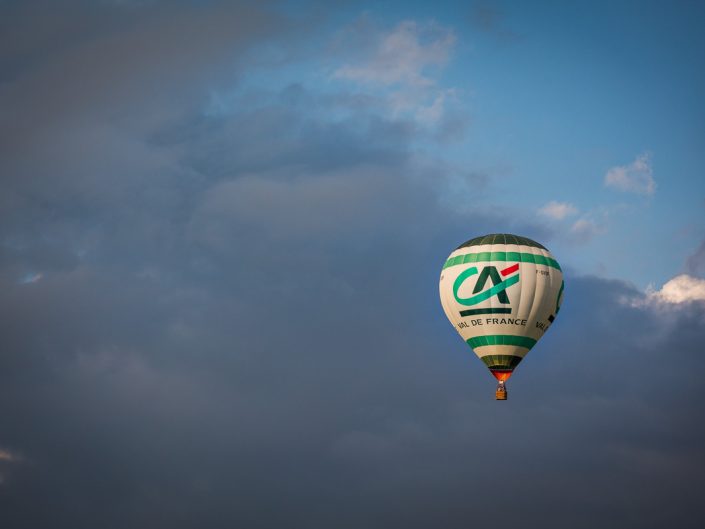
(221, 230)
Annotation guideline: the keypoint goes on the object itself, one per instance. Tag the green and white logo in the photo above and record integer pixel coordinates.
(480, 293)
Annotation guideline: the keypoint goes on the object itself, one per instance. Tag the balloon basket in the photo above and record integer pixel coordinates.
(501, 392)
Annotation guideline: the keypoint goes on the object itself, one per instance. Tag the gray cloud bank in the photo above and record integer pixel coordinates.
(232, 320)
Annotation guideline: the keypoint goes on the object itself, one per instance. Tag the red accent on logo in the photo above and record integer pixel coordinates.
(510, 270)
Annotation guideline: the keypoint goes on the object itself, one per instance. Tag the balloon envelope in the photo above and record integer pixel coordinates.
(501, 292)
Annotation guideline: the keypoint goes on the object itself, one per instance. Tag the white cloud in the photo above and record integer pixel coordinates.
(680, 289)
(399, 66)
(402, 55)
(584, 229)
(636, 177)
(558, 210)
(433, 113)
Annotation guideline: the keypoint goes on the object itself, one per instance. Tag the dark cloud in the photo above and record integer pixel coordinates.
(237, 323)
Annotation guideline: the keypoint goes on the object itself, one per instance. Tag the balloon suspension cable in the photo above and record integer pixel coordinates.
(501, 391)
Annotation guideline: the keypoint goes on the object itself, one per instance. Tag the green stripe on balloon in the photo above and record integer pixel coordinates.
(558, 299)
(483, 257)
(501, 339)
(489, 310)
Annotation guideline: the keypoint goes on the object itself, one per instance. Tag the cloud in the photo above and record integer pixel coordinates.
(637, 177)
(558, 210)
(401, 56)
(681, 289)
(401, 65)
(303, 207)
(434, 113)
(585, 229)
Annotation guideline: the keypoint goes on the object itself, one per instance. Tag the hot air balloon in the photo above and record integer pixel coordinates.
(501, 292)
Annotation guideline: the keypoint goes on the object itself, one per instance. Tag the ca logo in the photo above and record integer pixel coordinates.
(498, 288)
